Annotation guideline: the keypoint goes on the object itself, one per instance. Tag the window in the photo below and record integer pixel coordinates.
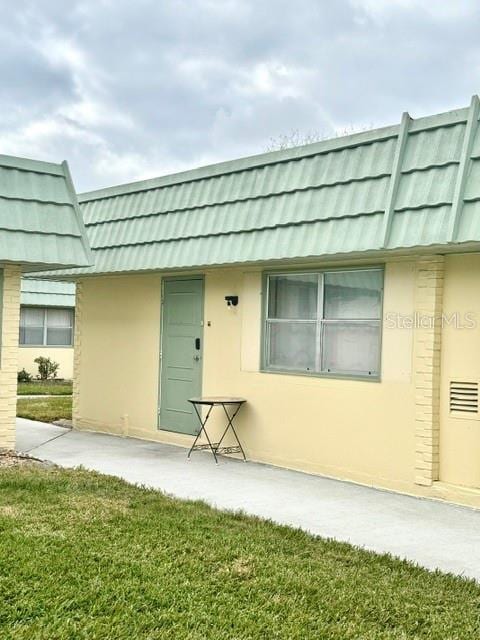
(46, 327)
(324, 322)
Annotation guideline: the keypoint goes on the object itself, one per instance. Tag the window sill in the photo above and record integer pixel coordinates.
(318, 374)
(45, 346)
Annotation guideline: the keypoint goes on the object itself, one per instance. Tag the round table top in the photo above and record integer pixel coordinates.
(217, 400)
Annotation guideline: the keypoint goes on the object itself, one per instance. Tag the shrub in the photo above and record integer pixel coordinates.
(24, 376)
(47, 368)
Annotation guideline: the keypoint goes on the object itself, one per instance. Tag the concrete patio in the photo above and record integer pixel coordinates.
(430, 533)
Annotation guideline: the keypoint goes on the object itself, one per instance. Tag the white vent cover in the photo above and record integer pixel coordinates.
(464, 397)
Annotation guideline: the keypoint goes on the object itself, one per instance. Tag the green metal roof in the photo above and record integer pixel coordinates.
(41, 226)
(45, 293)
(413, 185)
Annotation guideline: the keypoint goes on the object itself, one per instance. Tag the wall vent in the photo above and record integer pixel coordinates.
(464, 397)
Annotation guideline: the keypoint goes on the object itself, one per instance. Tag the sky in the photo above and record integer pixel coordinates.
(127, 90)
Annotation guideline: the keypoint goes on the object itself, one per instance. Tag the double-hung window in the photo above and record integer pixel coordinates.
(50, 326)
(324, 322)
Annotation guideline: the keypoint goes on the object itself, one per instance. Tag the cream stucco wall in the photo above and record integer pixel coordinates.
(460, 433)
(117, 332)
(62, 355)
(347, 428)
(10, 314)
(360, 430)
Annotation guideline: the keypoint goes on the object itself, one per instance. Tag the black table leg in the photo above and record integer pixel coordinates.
(202, 428)
(215, 447)
(230, 425)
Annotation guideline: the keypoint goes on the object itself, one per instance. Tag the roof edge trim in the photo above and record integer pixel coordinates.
(468, 246)
(78, 213)
(32, 166)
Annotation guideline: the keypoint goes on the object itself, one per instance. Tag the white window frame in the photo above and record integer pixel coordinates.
(45, 328)
(320, 322)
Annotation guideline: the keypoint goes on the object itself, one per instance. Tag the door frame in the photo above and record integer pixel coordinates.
(200, 277)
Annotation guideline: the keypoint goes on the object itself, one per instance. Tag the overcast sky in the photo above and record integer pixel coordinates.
(131, 89)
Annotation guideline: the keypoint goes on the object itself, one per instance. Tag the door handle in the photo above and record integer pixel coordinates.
(197, 344)
(196, 358)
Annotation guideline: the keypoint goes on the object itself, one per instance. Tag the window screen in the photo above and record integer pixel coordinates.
(50, 326)
(324, 322)
(59, 327)
(31, 326)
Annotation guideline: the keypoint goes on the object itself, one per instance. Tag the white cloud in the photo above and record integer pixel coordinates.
(271, 78)
(129, 90)
(438, 9)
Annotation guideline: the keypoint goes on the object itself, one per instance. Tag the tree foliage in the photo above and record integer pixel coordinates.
(299, 138)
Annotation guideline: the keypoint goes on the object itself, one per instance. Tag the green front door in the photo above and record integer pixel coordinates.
(181, 359)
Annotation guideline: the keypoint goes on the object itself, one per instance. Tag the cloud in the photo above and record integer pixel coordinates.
(128, 90)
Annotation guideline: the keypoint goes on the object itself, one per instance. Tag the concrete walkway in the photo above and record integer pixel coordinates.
(432, 534)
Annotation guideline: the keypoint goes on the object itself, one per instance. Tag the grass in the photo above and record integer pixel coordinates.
(45, 409)
(88, 556)
(50, 387)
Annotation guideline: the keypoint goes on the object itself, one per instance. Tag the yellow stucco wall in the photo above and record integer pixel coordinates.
(117, 331)
(62, 355)
(360, 430)
(314, 424)
(10, 315)
(460, 433)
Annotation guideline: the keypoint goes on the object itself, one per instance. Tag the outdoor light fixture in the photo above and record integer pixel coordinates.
(232, 301)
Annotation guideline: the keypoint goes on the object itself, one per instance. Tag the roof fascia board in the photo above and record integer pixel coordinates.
(371, 255)
(465, 160)
(38, 267)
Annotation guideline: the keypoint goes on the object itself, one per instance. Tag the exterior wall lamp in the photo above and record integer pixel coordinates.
(231, 301)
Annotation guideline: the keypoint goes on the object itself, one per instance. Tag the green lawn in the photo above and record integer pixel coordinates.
(45, 409)
(87, 556)
(50, 387)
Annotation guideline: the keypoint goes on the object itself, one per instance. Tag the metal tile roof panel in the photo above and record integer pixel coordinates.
(40, 249)
(428, 187)
(292, 241)
(361, 163)
(476, 142)
(25, 185)
(351, 199)
(469, 228)
(38, 217)
(405, 186)
(45, 293)
(41, 226)
(433, 147)
(420, 227)
(472, 187)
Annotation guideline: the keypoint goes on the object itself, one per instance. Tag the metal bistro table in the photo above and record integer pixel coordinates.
(215, 447)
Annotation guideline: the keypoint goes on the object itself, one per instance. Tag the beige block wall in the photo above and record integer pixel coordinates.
(10, 315)
(427, 353)
(359, 430)
(62, 355)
